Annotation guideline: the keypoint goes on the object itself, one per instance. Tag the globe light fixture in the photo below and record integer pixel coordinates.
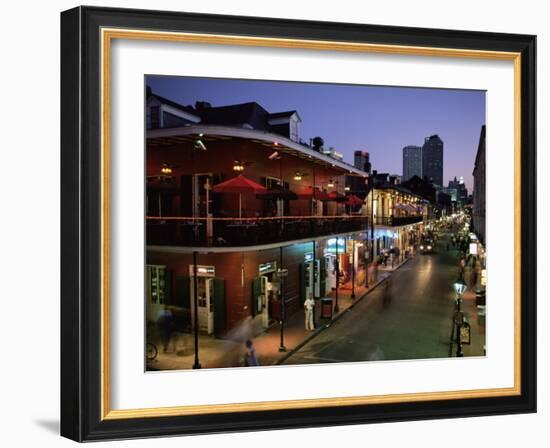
(460, 287)
(238, 166)
(166, 169)
(297, 176)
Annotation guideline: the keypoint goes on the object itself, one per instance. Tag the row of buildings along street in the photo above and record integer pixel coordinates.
(254, 234)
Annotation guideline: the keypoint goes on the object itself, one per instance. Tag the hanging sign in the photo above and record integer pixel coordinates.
(465, 333)
(267, 267)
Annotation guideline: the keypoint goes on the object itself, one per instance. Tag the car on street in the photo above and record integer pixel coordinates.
(426, 246)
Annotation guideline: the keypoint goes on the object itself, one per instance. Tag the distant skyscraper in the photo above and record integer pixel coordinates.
(412, 162)
(361, 161)
(432, 159)
(461, 190)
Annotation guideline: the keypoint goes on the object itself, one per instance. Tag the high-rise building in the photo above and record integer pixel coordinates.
(361, 161)
(461, 190)
(412, 162)
(432, 159)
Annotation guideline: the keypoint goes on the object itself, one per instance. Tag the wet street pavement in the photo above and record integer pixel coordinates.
(409, 316)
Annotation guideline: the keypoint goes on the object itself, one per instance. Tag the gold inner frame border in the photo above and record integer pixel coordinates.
(107, 35)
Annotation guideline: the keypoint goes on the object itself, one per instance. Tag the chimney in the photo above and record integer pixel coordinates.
(201, 105)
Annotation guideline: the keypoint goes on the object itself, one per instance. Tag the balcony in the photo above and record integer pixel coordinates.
(192, 232)
(396, 221)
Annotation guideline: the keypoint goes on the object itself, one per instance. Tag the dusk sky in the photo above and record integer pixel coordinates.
(380, 120)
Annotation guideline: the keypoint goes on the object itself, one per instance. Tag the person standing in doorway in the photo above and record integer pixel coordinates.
(308, 308)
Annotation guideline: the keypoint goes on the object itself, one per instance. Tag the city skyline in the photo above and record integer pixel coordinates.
(378, 119)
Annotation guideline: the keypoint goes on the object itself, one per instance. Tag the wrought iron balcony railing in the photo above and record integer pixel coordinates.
(207, 232)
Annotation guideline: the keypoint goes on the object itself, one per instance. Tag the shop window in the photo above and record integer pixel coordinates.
(157, 284)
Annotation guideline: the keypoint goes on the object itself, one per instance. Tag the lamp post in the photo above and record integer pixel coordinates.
(281, 274)
(353, 269)
(337, 268)
(315, 273)
(371, 192)
(460, 287)
(196, 364)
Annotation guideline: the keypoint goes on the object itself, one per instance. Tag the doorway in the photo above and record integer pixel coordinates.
(265, 289)
(210, 300)
(312, 279)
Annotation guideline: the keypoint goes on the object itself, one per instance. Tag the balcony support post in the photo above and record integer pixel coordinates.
(196, 364)
(353, 268)
(282, 347)
(313, 282)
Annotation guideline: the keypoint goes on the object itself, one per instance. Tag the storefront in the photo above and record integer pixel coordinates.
(157, 290)
(314, 276)
(210, 299)
(241, 291)
(266, 293)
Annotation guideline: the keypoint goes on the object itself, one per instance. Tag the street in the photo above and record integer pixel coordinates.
(409, 316)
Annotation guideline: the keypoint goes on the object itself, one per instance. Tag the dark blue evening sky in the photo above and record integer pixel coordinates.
(380, 120)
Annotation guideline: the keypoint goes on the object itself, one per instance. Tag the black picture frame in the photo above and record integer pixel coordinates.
(81, 381)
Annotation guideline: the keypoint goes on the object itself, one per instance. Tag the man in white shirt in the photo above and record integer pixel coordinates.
(308, 307)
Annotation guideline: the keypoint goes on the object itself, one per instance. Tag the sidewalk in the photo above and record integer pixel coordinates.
(395, 264)
(217, 353)
(477, 322)
(470, 310)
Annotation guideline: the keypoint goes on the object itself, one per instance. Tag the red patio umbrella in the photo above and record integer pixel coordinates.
(239, 184)
(335, 196)
(354, 201)
(310, 193)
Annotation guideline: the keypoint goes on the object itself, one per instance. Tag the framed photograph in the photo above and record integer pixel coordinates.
(274, 223)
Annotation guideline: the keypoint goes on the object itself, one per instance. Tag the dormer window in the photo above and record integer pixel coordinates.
(294, 132)
(286, 123)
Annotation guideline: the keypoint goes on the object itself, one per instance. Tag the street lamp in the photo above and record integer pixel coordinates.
(460, 287)
(281, 273)
(353, 269)
(196, 364)
(337, 268)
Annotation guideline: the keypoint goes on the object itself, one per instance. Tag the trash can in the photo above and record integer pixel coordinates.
(326, 308)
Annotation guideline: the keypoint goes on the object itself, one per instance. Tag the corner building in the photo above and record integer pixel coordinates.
(222, 249)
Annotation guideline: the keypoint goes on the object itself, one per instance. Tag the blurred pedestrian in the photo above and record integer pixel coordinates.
(462, 264)
(474, 278)
(165, 321)
(250, 359)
